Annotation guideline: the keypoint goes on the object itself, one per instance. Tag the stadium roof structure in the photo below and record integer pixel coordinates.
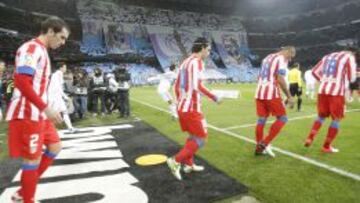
(241, 7)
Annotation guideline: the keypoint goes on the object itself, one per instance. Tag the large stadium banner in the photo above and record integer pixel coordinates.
(92, 42)
(165, 45)
(140, 41)
(117, 38)
(231, 46)
(188, 35)
(92, 17)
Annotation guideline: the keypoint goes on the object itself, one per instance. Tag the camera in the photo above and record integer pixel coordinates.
(122, 75)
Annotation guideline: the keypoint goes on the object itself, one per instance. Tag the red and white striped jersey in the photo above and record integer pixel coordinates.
(334, 71)
(32, 59)
(271, 66)
(189, 86)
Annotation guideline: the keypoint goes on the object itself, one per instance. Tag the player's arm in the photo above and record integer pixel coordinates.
(283, 85)
(177, 87)
(317, 70)
(24, 73)
(351, 71)
(280, 76)
(23, 79)
(197, 81)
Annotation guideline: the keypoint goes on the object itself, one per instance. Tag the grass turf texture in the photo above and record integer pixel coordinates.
(283, 179)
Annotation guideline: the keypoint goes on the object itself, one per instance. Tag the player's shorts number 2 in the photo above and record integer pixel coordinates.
(34, 141)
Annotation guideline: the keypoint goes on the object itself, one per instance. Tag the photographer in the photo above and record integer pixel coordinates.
(80, 84)
(97, 88)
(123, 78)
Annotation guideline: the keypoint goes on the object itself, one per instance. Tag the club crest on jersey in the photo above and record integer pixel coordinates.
(29, 60)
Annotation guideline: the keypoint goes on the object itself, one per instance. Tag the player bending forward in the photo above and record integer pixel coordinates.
(268, 100)
(332, 71)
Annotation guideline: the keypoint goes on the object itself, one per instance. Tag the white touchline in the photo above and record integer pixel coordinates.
(290, 119)
(285, 152)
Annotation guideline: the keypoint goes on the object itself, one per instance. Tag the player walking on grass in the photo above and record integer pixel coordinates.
(188, 90)
(163, 89)
(268, 99)
(332, 71)
(30, 118)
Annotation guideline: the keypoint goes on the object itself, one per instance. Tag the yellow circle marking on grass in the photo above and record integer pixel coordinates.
(151, 159)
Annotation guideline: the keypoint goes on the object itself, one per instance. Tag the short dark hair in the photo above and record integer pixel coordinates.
(54, 23)
(199, 44)
(172, 67)
(60, 64)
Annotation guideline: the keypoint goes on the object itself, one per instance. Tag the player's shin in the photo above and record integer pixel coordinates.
(47, 159)
(332, 132)
(259, 129)
(299, 104)
(190, 148)
(275, 129)
(29, 179)
(315, 128)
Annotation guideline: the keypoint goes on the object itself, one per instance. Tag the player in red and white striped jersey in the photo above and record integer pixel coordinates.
(333, 71)
(268, 99)
(30, 118)
(189, 90)
(31, 59)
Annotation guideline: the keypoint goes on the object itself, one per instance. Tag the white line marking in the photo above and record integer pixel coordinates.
(290, 154)
(290, 119)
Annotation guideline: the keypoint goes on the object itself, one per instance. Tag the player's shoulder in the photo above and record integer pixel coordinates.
(279, 57)
(30, 47)
(196, 62)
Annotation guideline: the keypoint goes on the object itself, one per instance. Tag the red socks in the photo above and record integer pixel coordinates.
(29, 179)
(274, 130)
(46, 160)
(315, 128)
(259, 132)
(332, 132)
(189, 161)
(187, 152)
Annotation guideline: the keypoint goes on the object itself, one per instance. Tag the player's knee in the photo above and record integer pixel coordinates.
(335, 124)
(261, 121)
(320, 119)
(30, 166)
(54, 149)
(51, 154)
(283, 119)
(35, 161)
(199, 141)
